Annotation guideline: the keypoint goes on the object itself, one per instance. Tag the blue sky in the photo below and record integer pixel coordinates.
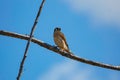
(92, 29)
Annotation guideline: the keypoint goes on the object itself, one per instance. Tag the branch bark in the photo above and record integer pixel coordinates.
(54, 49)
(29, 40)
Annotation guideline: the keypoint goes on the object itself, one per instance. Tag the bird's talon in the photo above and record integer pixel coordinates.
(55, 47)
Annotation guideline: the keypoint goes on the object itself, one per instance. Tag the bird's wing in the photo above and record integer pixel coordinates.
(63, 37)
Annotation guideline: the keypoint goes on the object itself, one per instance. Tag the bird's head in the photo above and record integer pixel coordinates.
(57, 29)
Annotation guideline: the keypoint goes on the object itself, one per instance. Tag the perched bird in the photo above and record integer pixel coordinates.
(60, 40)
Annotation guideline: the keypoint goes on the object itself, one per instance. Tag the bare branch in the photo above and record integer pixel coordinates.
(28, 43)
(52, 48)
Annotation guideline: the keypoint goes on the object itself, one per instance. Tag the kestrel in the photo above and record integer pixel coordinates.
(60, 40)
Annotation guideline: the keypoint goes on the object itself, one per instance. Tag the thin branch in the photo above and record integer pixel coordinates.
(28, 43)
(52, 48)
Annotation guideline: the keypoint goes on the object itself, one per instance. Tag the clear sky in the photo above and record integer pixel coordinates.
(92, 29)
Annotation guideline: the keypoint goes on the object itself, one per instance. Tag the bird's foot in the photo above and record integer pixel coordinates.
(56, 47)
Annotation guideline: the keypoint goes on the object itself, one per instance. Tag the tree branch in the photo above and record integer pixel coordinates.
(54, 49)
(28, 43)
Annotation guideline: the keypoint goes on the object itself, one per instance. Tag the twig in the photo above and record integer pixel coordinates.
(28, 43)
(52, 48)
